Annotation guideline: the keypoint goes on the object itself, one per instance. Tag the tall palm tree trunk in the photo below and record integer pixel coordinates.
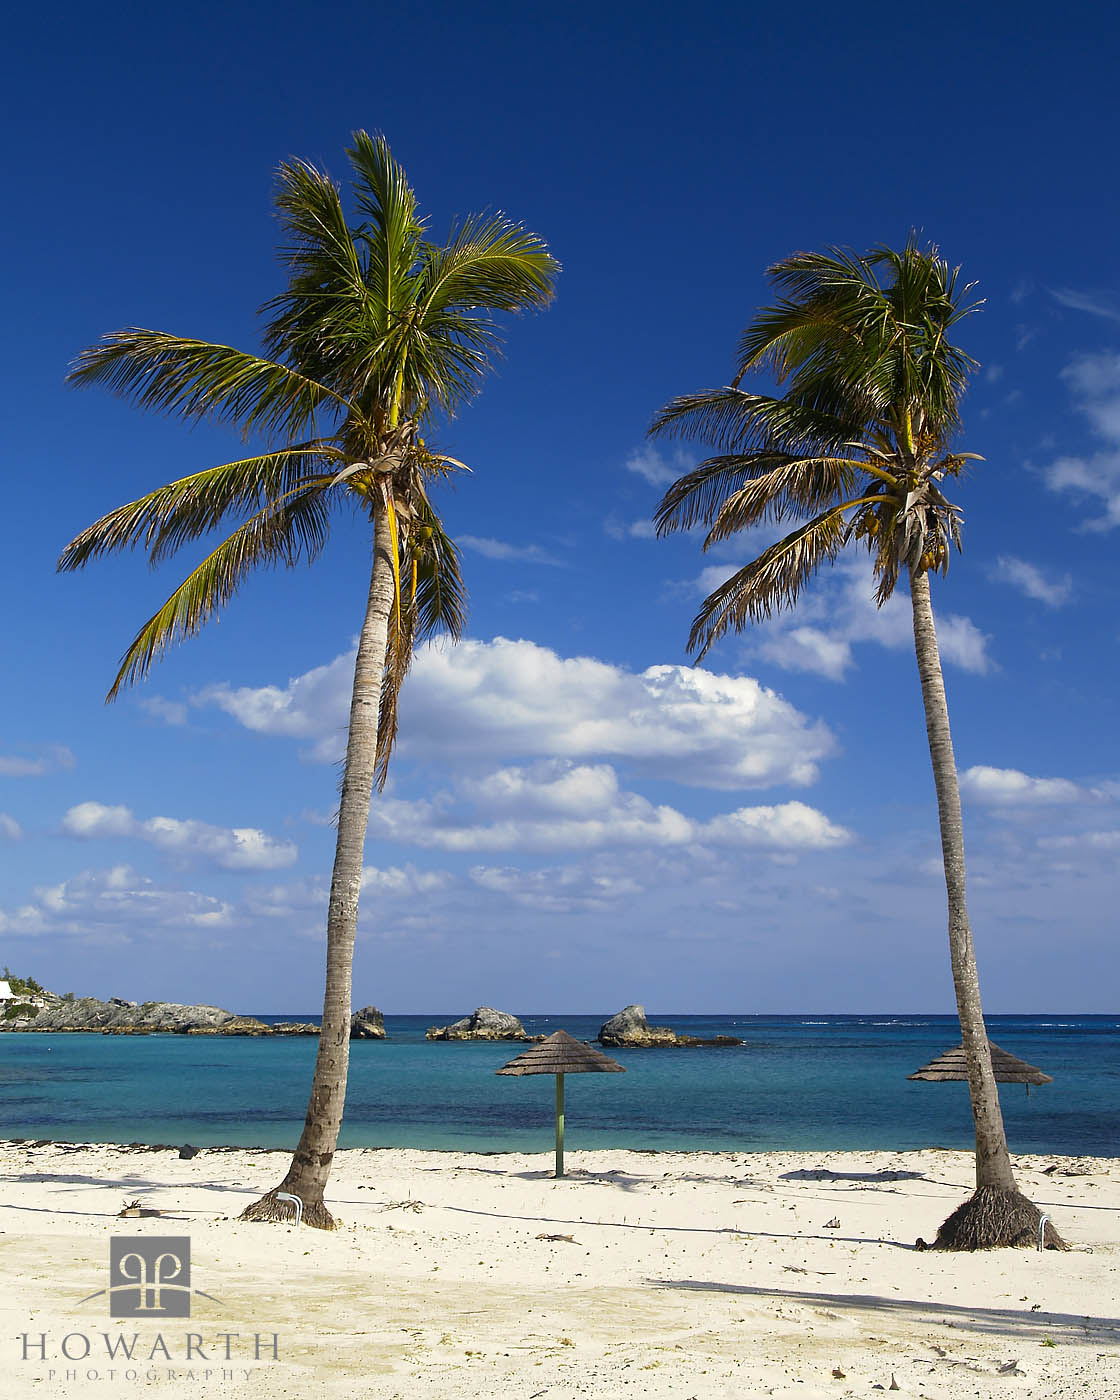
(311, 1162)
(995, 1213)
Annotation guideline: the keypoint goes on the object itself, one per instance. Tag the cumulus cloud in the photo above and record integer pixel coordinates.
(1094, 381)
(503, 551)
(111, 906)
(838, 611)
(1008, 787)
(49, 760)
(231, 848)
(563, 806)
(9, 828)
(1031, 580)
(506, 699)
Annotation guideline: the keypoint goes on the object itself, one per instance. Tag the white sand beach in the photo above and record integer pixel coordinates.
(786, 1274)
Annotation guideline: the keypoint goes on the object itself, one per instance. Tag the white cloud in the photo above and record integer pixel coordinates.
(514, 553)
(962, 644)
(1084, 841)
(506, 699)
(1094, 381)
(657, 467)
(51, 760)
(111, 906)
(564, 806)
(640, 529)
(712, 576)
(1008, 787)
(1095, 305)
(311, 893)
(808, 649)
(1030, 579)
(169, 711)
(404, 880)
(561, 889)
(231, 848)
(9, 828)
(838, 610)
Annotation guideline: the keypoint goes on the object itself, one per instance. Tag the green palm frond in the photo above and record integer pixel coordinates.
(196, 379)
(284, 534)
(871, 396)
(326, 304)
(377, 329)
(191, 507)
(490, 262)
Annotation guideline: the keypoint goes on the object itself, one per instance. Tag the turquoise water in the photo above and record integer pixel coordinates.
(798, 1082)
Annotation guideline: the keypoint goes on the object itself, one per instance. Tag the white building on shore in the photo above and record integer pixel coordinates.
(6, 993)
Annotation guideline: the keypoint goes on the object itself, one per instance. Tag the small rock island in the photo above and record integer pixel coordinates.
(484, 1024)
(628, 1029)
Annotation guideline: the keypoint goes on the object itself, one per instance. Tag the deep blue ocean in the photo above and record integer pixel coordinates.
(808, 1081)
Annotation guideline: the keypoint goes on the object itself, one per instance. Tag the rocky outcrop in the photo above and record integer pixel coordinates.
(367, 1024)
(629, 1029)
(483, 1024)
(236, 1025)
(119, 1017)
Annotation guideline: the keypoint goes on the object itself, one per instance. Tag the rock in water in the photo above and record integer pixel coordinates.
(483, 1024)
(367, 1024)
(629, 1028)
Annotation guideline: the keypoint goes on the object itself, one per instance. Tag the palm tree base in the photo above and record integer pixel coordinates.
(269, 1208)
(996, 1217)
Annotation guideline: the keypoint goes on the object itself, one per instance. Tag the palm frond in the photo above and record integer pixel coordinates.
(771, 582)
(295, 530)
(383, 194)
(489, 263)
(326, 303)
(697, 497)
(196, 379)
(796, 488)
(738, 421)
(191, 507)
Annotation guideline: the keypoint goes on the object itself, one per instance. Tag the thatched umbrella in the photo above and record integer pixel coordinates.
(561, 1054)
(1008, 1069)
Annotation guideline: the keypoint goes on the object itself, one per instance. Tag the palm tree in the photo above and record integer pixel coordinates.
(857, 449)
(377, 332)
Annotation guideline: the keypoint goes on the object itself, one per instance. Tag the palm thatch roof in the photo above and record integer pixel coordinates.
(560, 1053)
(1009, 1069)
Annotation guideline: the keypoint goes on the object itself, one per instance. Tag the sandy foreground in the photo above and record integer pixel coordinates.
(787, 1274)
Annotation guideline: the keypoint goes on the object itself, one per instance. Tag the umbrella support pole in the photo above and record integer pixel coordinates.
(559, 1125)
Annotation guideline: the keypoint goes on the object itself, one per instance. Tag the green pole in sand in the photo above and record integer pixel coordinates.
(559, 1125)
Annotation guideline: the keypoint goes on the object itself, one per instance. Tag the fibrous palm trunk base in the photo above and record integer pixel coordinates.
(268, 1207)
(995, 1217)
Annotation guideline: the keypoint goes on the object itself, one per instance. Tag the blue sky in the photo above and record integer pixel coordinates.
(576, 818)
